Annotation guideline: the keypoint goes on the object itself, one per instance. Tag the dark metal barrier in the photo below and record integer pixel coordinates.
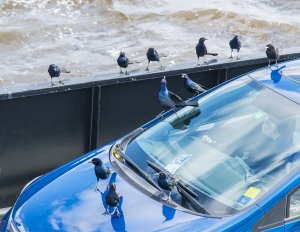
(42, 127)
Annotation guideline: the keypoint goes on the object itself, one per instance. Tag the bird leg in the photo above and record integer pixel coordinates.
(121, 72)
(276, 64)
(96, 188)
(147, 69)
(198, 63)
(231, 54)
(205, 62)
(269, 64)
(60, 81)
(106, 211)
(237, 55)
(169, 197)
(117, 212)
(126, 73)
(161, 67)
(52, 84)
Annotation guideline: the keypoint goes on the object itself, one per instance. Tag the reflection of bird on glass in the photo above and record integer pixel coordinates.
(192, 86)
(168, 212)
(276, 74)
(118, 222)
(166, 183)
(101, 172)
(112, 200)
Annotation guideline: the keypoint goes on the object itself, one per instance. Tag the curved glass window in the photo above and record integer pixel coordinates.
(242, 140)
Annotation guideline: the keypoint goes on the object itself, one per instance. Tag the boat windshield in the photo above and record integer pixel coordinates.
(241, 141)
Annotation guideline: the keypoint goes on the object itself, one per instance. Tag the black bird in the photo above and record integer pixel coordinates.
(152, 55)
(192, 86)
(272, 54)
(100, 171)
(201, 50)
(169, 100)
(55, 71)
(112, 199)
(166, 183)
(235, 44)
(123, 62)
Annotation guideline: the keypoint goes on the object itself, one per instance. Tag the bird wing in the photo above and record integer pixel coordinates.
(175, 97)
(196, 87)
(231, 43)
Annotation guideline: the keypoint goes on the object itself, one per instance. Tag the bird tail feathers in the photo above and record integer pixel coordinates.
(64, 70)
(134, 62)
(162, 55)
(183, 104)
(212, 54)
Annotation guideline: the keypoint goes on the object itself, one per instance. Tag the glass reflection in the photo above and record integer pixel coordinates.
(242, 144)
(276, 74)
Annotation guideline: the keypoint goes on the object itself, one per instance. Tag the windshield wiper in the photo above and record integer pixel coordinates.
(126, 160)
(183, 189)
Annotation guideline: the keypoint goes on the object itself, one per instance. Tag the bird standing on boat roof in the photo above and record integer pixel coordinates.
(201, 51)
(100, 171)
(235, 43)
(272, 54)
(169, 100)
(166, 183)
(123, 62)
(152, 55)
(55, 71)
(192, 86)
(112, 199)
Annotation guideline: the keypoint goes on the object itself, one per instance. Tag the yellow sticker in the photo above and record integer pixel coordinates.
(252, 192)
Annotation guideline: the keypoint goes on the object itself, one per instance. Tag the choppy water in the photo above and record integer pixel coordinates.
(86, 36)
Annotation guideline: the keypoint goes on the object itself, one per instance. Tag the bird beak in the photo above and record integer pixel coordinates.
(156, 174)
(205, 39)
(90, 162)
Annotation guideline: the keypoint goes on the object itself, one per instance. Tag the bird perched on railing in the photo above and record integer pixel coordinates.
(192, 86)
(123, 62)
(169, 100)
(55, 71)
(101, 172)
(112, 199)
(166, 183)
(201, 51)
(152, 55)
(272, 54)
(235, 44)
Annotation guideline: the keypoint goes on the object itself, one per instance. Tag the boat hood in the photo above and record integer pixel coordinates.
(66, 199)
